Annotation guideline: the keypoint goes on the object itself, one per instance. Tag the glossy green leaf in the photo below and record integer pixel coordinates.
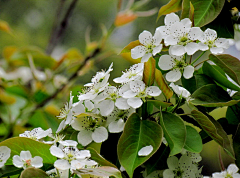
(158, 103)
(172, 6)
(216, 74)
(236, 145)
(9, 170)
(18, 144)
(214, 130)
(33, 173)
(137, 134)
(205, 11)
(174, 131)
(229, 64)
(195, 82)
(131, 45)
(168, 93)
(98, 158)
(149, 72)
(104, 171)
(193, 140)
(212, 96)
(185, 9)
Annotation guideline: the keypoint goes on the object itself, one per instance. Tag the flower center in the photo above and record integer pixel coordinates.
(228, 176)
(27, 163)
(178, 173)
(184, 40)
(180, 64)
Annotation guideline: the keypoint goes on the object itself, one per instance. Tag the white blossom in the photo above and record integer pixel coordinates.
(135, 72)
(177, 65)
(230, 172)
(36, 133)
(139, 91)
(4, 155)
(210, 41)
(25, 160)
(182, 168)
(180, 91)
(194, 156)
(54, 173)
(145, 151)
(150, 46)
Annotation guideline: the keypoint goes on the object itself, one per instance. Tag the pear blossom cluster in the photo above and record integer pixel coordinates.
(182, 39)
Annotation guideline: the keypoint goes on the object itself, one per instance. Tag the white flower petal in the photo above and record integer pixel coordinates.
(153, 91)
(78, 108)
(216, 50)
(188, 72)
(84, 137)
(172, 162)
(170, 40)
(145, 151)
(157, 49)
(173, 75)
(177, 50)
(25, 155)
(164, 31)
(121, 103)
(17, 161)
(5, 153)
(191, 48)
(37, 162)
(167, 173)
(61, 126)
(166, 62)
(195, 33)
(116, 126)
(100, 134)
(106, 107)
(146, 57)
(187, 23)
(232, 168)
(129, 94)
(75, 164)
(62, 164)
(177, 30)
(222, 42)
(83, 154)
(137, 86)
(210, 34)
(157, 38)
(171, 18)
(55, 151)
(145, 37)
(134, 102)
(203, 47)
(138, 51)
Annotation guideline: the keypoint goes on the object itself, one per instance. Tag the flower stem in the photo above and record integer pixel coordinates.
(198, 57)
(201, 62)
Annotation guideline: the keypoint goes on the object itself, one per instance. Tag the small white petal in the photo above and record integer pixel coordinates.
(146, 57)
(116, 126)
(232, 168)
(145, 151)
(138, 51)
(145, 37)
(83, 154)
(216, 50)
(222, 42)
(129, 94)
(157, 38)
(188, 72)
(37, 162)
(84, 137)
(55, 151)
(75, 164)
(177, 50)
(121, 103)
(25, 155)
(173, 75)
(195, 33)
(106, 107)
(157, 49)
(172, 162)
(186, 23)
(100, 134)
(170, 40)
(134, 102)
(210, 34)
(17, 161)
(164, 31)
(62, 164)
(191, 48)
(153, 91)
(171, 19)
(203, 47)
(167, 173)
(166, 62)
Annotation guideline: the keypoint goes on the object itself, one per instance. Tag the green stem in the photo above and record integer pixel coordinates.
(201, 62)
(198, 57)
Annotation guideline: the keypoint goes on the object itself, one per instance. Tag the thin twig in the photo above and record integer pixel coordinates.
(74, 75)
(59, 30)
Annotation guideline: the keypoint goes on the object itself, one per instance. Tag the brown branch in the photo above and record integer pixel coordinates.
(58, 31)
(73, 76)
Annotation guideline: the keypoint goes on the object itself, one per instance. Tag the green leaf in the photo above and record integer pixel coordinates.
(18, 144)
(193, 140)
(149, 72)
(174, 131)
(172, 6)
(236, 146)
(195, 82)
(233, 112)
(168, 93)
(137, 134)
(158, 103)
(9, 170)
(214, 130)
(205, 11)
(212, 96)
(229, 64)
(127, 49)
(98, 158)
(33, 173)
(217, 74)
